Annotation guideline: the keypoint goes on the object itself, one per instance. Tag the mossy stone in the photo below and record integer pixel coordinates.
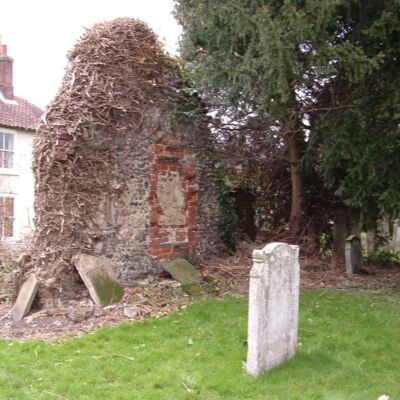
(192, 289)
(184, 272)
(98, 276)
(108, 290)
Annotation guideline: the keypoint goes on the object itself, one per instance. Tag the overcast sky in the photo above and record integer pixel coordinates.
(39, 33)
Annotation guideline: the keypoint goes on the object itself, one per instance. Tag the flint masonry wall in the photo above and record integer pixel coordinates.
(168, 208)
(123, 162)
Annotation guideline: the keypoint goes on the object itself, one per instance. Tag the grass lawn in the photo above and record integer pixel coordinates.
(349, 348)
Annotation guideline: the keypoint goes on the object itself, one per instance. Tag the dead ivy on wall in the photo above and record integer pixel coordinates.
(114, 70)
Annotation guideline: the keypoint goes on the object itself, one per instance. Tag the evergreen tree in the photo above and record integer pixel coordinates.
(359, 138)
(306, 68)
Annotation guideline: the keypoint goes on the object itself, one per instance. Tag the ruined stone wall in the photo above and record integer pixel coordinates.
(196, 134)
(123, 162)
(168, 207)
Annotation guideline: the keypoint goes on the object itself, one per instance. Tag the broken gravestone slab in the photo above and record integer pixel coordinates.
(184, 272)
(273, 307)
(25, 298)
(98, 276)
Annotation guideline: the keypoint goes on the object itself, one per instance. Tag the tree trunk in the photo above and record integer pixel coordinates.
(297, 206)
(340, 232)
(245, 211)
(346, 222)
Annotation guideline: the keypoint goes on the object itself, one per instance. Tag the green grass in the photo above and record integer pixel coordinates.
(350, 349)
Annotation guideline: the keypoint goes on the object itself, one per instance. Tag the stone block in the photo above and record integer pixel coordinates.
(184, 272)
(171, 198)
(353, 255)
(78, 315)
(25, 298)
(273, 307)
(98, 276)
(131, 312)
(396, 235)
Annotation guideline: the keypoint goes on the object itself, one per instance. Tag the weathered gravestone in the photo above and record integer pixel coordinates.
(98, 276)
(396, 235)
(25, 298)
(184, 272)
(353, 255)
(273, 307)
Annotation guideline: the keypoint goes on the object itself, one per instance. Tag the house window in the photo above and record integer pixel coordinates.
(6, 150)
(6, 217)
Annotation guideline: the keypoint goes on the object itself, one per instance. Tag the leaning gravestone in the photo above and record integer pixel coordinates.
(396, 235)
(273, 307)
(25, 298)
(182, 271)
(353, 255)
(98, 276)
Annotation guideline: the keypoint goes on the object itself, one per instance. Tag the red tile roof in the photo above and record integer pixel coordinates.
(23, 114)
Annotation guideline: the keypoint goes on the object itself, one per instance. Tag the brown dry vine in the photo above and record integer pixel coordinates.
(86, 133)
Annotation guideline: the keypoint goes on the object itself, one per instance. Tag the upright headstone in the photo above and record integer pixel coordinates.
(273, 307)
(383, 239)
(370, 242)
(396, 235)
(367, 240)
(353, 255)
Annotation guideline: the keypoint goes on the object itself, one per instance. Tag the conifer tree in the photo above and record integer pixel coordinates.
(305, 68)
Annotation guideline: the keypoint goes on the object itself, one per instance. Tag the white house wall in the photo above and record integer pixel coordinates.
(18, 183)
